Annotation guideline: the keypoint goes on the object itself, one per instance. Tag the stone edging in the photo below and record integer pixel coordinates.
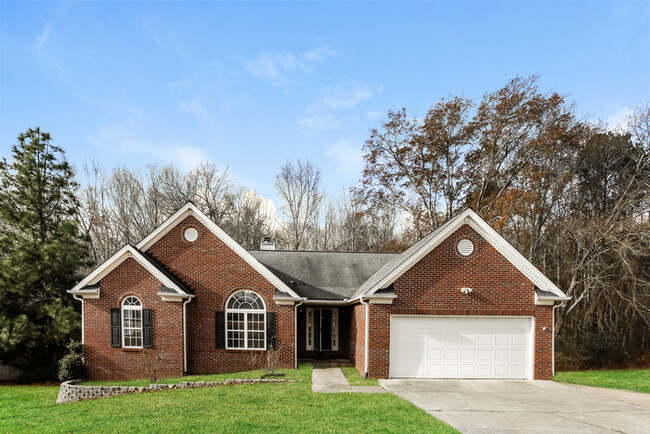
(69, 391)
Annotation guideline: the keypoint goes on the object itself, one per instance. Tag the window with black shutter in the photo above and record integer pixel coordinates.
(115, 328)
(147, 335)
(220, 329)
(270, 330)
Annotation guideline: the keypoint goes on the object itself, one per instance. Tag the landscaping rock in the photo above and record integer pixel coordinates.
(69, 391)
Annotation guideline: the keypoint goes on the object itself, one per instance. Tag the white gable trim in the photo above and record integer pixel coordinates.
(491, 236)
(115, 260)
(190, 209)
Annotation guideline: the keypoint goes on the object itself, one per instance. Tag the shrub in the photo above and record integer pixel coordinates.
(152, 361)
(71, 366)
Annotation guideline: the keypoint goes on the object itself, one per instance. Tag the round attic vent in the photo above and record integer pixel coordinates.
(465, 247)
(191, 234)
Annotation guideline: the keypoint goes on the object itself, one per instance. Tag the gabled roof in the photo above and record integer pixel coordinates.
(322, 275)
(396, 267)
(164, 277)
(190, 209)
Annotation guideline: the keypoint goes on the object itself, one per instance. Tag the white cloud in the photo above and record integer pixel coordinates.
(43, 36)
(274, 68)
(278, 68)
(320, 54)
(347, 155)
(320, 114)
(617, 121)
(347, 97)
(192, 106)
(374, 115)
(123, 141)
(318, 121)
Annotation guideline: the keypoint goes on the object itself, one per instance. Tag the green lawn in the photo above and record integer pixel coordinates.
(355, 379)
(637, 380)
(262, 407)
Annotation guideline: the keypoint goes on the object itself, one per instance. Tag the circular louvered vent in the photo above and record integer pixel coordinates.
(465, 247)
(191, 234)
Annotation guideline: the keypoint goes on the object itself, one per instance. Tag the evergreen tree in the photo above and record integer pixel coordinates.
(41, 252)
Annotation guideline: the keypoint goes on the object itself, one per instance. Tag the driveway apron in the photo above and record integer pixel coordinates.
(510, 406)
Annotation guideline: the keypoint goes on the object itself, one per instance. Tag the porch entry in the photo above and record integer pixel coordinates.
(322, 329)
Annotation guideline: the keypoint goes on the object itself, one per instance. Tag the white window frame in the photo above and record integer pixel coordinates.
(131, 308)
(245, 312)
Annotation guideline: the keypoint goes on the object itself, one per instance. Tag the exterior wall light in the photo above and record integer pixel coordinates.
(465, 290)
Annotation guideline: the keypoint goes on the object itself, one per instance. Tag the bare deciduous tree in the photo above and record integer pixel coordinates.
(299, 188)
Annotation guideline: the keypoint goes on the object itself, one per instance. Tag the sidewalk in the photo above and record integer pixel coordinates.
(327, 379)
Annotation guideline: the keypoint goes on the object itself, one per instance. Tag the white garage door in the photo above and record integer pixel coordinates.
(460, 347)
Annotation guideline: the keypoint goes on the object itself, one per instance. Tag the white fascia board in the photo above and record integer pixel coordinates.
(174, 297)
(123, 254)
(190, 209)
(85, 294)
(491, 236)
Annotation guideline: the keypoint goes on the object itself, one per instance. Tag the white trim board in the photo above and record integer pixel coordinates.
(109, 265)
(190, 209)
(490, 235)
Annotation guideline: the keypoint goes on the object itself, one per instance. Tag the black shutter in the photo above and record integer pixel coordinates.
(147, 335)
(270, 330)
(220, 329)
(115, 327)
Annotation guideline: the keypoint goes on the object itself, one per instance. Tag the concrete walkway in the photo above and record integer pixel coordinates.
(328, 379)
(536, 406)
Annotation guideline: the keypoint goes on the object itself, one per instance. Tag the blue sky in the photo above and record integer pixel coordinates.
(250, 85)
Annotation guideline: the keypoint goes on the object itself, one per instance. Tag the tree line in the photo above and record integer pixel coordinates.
(571, 195)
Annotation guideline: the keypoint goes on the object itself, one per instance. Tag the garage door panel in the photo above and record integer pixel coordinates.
(485, 355)
(518, 356)
(460, 347)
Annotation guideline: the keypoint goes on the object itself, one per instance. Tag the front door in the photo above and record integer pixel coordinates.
(322, 329)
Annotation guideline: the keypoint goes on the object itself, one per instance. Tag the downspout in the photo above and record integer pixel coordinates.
(295, 334)
(185, 335)
(82, 315)
(553, 338)
(365, 358)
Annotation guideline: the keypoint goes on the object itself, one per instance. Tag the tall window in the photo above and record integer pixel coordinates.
(245, 321)
(131, 323)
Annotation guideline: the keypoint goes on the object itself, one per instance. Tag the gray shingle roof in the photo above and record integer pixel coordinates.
(322, 275)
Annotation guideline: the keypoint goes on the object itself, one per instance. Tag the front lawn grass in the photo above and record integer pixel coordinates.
(637, 380)
(277, 407)
(355, 379)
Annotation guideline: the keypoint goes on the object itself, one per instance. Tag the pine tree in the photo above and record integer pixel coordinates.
(41, 254)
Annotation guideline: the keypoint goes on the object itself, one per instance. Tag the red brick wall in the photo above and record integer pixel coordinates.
(215, 272)
(432, 287)
(106, 362)
(358, 337)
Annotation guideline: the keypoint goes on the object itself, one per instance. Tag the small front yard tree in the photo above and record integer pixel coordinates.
(41, 252)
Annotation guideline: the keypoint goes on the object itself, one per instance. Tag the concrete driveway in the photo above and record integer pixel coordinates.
(507, 406)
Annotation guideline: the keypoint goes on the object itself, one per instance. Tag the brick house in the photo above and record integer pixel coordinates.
(460, 303)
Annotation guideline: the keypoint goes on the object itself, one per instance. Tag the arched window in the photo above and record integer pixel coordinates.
(131, 323)
(245, 321)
